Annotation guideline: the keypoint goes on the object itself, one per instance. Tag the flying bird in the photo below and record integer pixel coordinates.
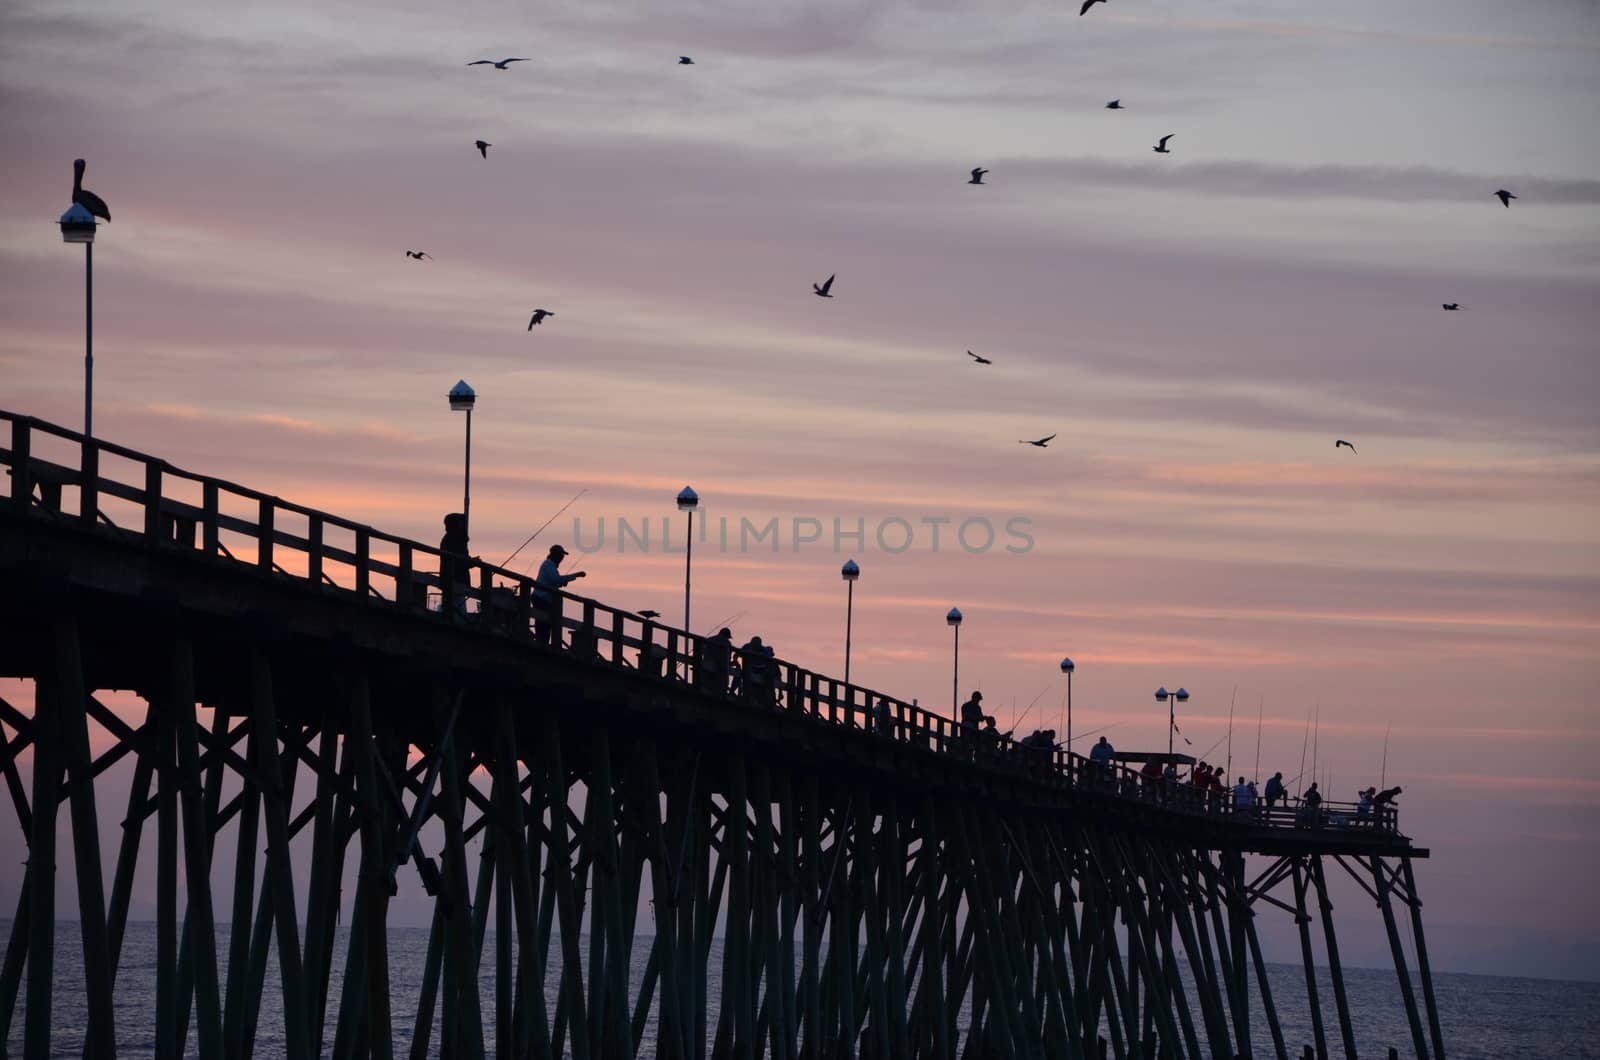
(538, 317)
(501, 65)
(1041, 443)
(821, 290)
(1161, 148)
(684, 60)
(419, 254)
(1505, 198)
(1451, 307)
(87, 199)
(978, 360)
(483, 147)
(977, 175)
(1115, 104)
(1341, 441)
(1087, 4)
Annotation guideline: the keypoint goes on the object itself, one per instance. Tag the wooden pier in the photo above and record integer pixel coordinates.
(310, 696)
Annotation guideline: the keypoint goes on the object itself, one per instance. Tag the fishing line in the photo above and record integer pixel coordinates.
(542, 526)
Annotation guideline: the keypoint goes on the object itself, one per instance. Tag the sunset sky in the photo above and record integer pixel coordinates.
(1197, 329)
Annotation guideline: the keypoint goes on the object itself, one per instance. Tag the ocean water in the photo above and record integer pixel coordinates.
(1484, 1017)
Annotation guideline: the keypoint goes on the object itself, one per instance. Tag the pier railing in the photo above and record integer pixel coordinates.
(106, 488)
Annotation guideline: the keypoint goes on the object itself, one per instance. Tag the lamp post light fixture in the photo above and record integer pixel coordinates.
(1171, 699)
(953, 620)
(688, 501)
(849, 572)
(1067, 667)
(78, 226)
(462, 398)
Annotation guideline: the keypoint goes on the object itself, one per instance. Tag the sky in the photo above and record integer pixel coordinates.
(1195, 328)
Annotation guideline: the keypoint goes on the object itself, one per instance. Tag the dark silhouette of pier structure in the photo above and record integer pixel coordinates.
(877, 890)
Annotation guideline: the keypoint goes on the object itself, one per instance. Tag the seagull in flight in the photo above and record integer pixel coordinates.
(503, 64)
(684, 60)
(1341, 441)
(419, 254)
(538, 317)
(821, 290)
(483, 147)
(1451, 307)
(1505, 198)
(977, 175)
(1161, 148)
(1115, 104)
(978, 360)
(1041, 442)
(87, 199)
(1087, 4)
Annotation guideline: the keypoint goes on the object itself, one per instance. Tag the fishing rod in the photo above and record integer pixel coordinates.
(1383, 773)
(718, 625)
(1015, 721)
(1104, 728)
(1316, 742)
(546, 523)
(1304, 740)
(1228, 770)
(1261, 706)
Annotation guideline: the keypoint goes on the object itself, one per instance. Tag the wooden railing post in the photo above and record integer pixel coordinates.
(211, 503)
(363, 561)
(89, 483)
(21, 464)
(403, 580)
(264, 531)
(152, 499)
(314, 549)
(616, 637)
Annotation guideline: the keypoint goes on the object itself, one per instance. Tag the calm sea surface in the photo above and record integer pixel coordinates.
(1484, 1017)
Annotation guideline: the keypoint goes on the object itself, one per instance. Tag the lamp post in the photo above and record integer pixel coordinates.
(688, 500)
(953, 619)
(78, 226)
(1067, 667)
(849, 572)
(1171, 699)
(462, 398)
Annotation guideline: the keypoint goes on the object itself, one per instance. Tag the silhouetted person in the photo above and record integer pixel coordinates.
(756, 659)
(1102, 752)
(453, 560)
(1275, 790)
(1386, 796)
(1244, 797)
(716, 652)
(972, 717)
(1364, 802)
(881, 717)
(1311, 806)
(546, 597)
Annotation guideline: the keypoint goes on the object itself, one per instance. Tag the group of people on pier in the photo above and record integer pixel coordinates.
(750, 672)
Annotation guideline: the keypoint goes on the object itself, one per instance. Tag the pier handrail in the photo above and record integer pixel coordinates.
(498, 601)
